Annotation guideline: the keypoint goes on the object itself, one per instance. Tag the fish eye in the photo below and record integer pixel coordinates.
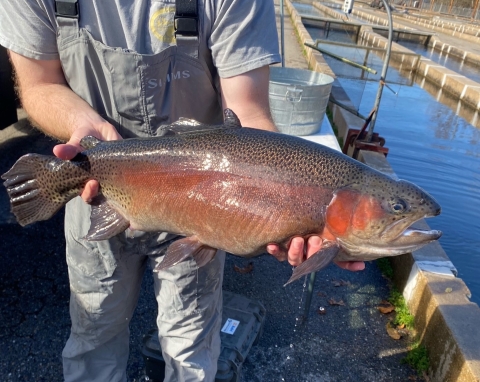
(398, 206)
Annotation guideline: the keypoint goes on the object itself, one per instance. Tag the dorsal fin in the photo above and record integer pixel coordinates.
(189, 126)
(230, 119)
(89, 142)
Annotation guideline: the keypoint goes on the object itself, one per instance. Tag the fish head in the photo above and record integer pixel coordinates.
(375, 220)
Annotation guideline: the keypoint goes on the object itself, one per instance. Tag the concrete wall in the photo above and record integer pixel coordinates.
(459, 86)
(446, 321)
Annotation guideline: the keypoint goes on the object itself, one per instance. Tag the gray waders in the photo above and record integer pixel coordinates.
(137, 93)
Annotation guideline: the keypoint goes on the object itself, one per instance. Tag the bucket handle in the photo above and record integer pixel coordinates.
(293, 94)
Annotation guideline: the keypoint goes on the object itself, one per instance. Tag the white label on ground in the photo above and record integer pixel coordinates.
(230, 326)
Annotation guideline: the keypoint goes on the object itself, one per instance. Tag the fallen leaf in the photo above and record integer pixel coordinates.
(403, 332)
(321, 294)
(392, 332)
(401, 326)
(386, 309)
(247, 269)
(332, 301)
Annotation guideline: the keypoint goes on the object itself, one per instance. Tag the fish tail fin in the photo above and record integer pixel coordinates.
(39, 185)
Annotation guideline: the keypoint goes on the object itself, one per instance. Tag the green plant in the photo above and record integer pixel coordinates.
(402, 314)
(385, 267)
(417, 358)
(403, 317)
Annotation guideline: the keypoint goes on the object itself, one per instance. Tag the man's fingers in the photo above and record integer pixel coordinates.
(353, 266)
(274, 250)
(65, 151)
(90, 191)
(314, 245)
(295, 251)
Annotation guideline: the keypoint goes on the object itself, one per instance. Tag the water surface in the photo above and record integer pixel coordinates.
(432, 145)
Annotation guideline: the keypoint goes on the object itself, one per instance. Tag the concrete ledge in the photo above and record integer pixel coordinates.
(440, 46)
(459, 86)
(446, 321)
(469, 33)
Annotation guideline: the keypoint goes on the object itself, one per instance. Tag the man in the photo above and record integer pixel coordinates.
(118, 69)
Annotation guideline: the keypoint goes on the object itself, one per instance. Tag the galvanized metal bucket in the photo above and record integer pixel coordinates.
(298, 99)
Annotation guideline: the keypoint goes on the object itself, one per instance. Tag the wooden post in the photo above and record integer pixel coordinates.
(475, 9)
(450, 7)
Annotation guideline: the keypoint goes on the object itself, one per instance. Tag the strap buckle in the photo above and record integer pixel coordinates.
(67, 8)
(185, 26)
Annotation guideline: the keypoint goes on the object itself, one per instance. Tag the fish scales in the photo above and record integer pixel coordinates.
(195, 193)
(231, 188)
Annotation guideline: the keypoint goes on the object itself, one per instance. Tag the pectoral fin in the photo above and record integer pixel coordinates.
(105, 222)
(182, 249)
(315, 262)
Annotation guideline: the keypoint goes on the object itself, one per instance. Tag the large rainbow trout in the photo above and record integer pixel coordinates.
(230, 188)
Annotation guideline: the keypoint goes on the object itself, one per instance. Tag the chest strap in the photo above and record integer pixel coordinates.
(67, 13)
(186, 26)
(186, 23)
(67, 8)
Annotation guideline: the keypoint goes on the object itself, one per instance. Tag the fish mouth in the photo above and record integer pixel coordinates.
(408, 240)
(404, 227)
(413, 237)
(403, 236)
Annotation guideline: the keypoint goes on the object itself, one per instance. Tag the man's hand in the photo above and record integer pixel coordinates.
(105, 132)
(297, 254)
(43, 86)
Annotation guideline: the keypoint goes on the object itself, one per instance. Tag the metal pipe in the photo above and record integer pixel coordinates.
(343, 59)
(347, 108)
(381, 83)
(308, 300)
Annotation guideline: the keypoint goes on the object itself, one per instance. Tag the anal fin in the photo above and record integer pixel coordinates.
(182, 249)
(105, 222)
(316, 262)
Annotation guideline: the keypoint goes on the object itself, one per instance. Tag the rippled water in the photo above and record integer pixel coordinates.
(432, 146)
(438, 150)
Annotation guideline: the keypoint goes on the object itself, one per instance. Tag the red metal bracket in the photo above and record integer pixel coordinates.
(354, 140)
